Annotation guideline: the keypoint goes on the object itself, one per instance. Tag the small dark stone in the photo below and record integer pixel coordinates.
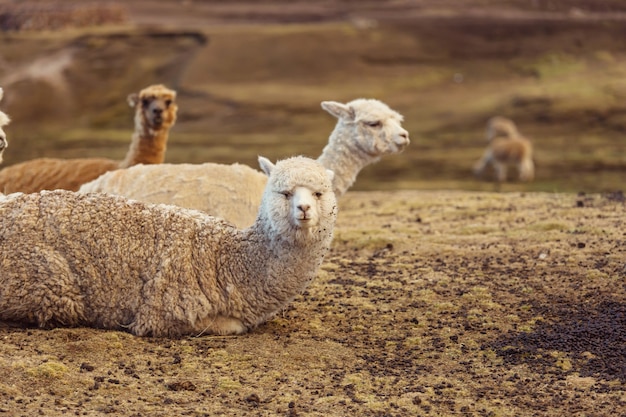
(85, 367)
(181, 386)
(253, 399)
(581, 245)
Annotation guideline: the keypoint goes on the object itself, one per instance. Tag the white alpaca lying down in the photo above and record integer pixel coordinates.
(97, 260)
(366, 130)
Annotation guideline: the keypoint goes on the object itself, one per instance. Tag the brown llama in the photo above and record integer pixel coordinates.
(506, 147)
(155, 114)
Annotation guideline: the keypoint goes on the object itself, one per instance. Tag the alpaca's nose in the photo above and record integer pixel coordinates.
(157, 111)
(403, 138)
(304, 207)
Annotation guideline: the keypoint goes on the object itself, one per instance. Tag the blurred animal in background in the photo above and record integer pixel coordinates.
(506, 147)
(4, 120)
(366, 130)
(155, 114)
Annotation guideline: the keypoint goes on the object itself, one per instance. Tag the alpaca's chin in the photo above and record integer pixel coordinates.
(401, 146)
(304, 224)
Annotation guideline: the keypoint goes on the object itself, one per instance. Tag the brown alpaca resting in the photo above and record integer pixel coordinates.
(506, 147)
(155, 114)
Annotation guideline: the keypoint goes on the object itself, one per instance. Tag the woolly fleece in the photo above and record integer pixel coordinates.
(71, 259)
(230, 191)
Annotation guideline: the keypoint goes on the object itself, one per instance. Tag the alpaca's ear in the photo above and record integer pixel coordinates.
(1, 93)
(266, 165)
(331, 174)
(339, 110)
(133, 99)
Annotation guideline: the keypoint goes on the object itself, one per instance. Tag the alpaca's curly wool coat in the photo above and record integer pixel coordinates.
(232, 191)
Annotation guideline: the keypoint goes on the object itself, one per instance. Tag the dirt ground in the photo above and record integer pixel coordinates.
(431, 302)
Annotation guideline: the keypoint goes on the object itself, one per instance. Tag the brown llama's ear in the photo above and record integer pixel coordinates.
(133, 99)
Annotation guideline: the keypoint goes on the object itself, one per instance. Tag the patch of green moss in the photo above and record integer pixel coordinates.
(228, 384)
(552, 65)
(50, 369)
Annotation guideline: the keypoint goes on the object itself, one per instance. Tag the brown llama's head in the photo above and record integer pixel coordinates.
(499, 126)
(155, 107)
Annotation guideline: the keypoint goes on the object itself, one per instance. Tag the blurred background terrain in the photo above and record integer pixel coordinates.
(251, 76)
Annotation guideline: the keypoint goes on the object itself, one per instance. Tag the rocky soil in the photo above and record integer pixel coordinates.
(430, 303)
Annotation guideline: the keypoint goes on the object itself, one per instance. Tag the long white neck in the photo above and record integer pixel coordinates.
(344, 157)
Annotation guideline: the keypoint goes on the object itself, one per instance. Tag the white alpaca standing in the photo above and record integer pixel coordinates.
(506, 147)
(4, 120)
(366, 130)
(69, 259)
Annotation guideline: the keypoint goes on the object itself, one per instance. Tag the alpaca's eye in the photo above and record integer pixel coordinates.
(287, 194)
(145, 102)
(377, 123)
(318, 194)
(168, 103)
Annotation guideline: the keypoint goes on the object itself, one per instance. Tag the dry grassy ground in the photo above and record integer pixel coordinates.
(430, 303)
